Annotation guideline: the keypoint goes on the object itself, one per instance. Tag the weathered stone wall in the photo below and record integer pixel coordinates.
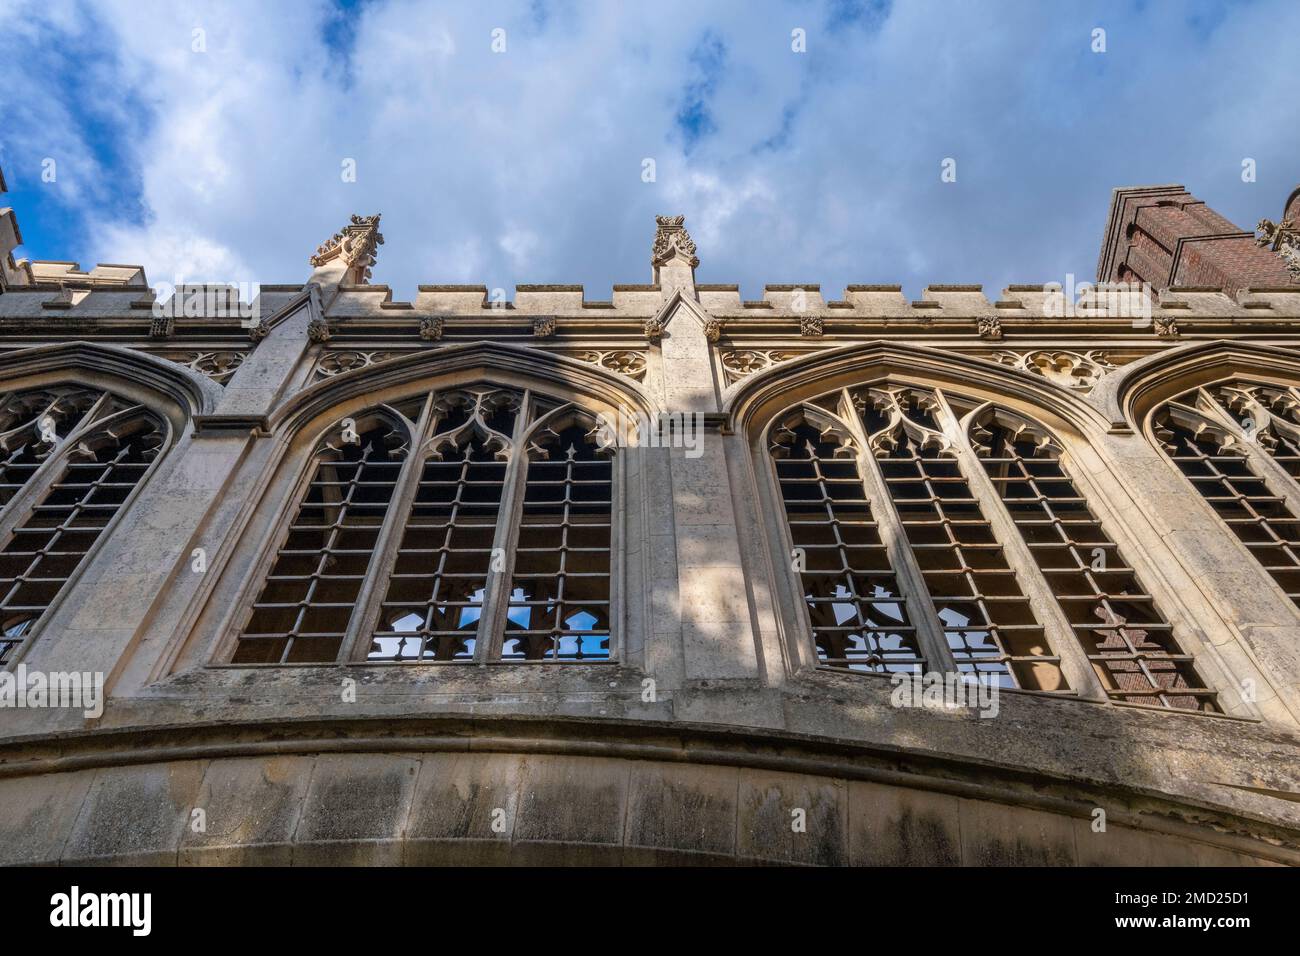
(466, 808)
(739, 727)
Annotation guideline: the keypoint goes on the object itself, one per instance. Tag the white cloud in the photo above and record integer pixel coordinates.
(526, 166)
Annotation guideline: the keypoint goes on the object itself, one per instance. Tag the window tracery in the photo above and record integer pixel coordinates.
(72, 456)
(481, 519)
(884, 463)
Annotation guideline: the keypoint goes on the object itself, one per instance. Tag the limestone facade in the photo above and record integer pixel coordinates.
(402, 582)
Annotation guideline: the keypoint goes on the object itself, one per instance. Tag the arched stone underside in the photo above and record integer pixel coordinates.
(568, 791)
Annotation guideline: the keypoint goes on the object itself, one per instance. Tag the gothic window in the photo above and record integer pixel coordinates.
(307, 601)
(70, 457)
(859, 620)
(1238, 443)
(987, 622)
(559, 594)
(467, 525)
(1127, 640)
(892, 512)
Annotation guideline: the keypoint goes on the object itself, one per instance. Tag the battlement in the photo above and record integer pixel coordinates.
(1196, 287)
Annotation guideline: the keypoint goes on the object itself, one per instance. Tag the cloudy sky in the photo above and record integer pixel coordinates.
(220, 155)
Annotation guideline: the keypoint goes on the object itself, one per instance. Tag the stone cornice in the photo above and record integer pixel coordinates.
(1127, 803)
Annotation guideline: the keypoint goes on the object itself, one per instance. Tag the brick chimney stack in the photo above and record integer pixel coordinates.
(1165, 236)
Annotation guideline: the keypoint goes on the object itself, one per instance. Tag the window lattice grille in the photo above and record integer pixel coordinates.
(304, 609)
(987, 621)
(102, 448)
(436, 591)
(1211, 451)
(441, 594)
(1127, 640)
(559, 595)
(855, 607)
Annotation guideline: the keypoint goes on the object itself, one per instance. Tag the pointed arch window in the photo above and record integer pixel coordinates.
(1238, 444)
(1126, 638)
(988, 625)
(858, 616)
(70, 458)
(469, 525)
(920, 546)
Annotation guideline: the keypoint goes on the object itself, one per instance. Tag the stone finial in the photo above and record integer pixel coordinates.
(431, 328)
(1284, 239)
(672, 239)
(355, 246)
(11, 273)
(990, 327)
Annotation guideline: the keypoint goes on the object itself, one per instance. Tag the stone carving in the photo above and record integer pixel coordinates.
(431, 329)
(654, 330)
(623, 361)
(1165, 326)
(162, 326)
(544, 327)
(671, 238)
(1197, 412)
(318, 330)
(337, 361)
(481, 408)
(1284, 239)
(218, 365)
(737, 363)
(894, 403)
(989, 327)
(713, 330)
(1264, 413)
(828, 426)
(356, 245)
(1021, 429)
(812, 326)
(1069, 369)
(258, 331)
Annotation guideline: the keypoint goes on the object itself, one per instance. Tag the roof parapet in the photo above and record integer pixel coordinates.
(104, 274)
(11, 273)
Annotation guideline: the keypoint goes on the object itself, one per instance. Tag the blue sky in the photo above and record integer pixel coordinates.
(525, 166)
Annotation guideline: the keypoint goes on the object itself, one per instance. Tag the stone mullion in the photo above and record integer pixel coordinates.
(356, 644)
(1075, 665)
(496, 594)
(930, 638)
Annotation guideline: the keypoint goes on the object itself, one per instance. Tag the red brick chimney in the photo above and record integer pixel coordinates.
(1165, 236)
